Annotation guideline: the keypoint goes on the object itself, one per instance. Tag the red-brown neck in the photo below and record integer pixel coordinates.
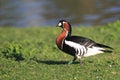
(66, 32)
(61, 37)
(67, 26)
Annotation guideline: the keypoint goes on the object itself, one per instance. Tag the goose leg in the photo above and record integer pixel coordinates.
(72, 60)
(80, 58)
(80, 61)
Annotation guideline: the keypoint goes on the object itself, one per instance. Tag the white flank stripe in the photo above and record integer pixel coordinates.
(79, 48)
(73, 44)
(82, 50)
(93, 51)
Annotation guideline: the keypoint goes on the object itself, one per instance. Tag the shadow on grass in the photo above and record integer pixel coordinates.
(52, 62)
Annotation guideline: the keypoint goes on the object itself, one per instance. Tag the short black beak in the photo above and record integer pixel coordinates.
(57, 25)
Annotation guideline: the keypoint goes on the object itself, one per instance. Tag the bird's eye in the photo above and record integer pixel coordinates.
(60, 24)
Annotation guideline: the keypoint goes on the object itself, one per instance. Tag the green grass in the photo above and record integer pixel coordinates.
(31, 54)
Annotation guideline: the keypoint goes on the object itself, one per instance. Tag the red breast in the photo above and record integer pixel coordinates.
(60, 38)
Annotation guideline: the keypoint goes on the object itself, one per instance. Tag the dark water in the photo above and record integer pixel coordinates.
(23, 13)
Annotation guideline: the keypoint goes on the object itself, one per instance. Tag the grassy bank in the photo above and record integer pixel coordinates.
(31, 54)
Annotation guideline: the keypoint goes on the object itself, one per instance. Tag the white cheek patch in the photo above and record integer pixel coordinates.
(60, 24)
(64, 22)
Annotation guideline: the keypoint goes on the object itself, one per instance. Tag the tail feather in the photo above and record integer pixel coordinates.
(107, 51)
(102, 46)
(106, 48)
